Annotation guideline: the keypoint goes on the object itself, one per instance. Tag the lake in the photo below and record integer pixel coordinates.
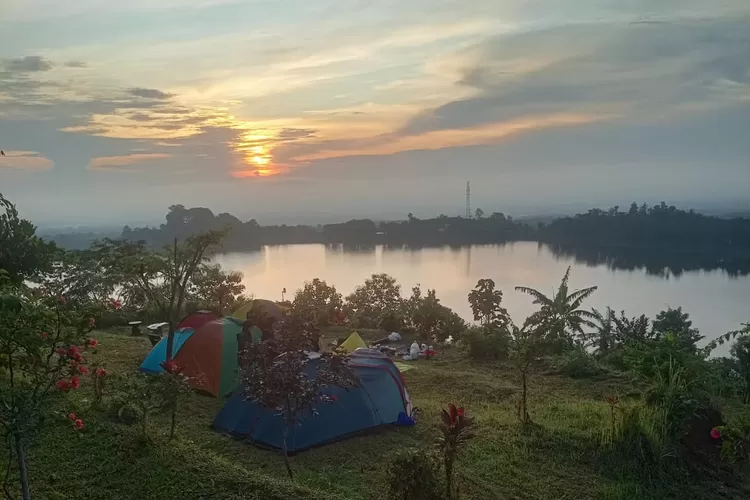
(716, 301)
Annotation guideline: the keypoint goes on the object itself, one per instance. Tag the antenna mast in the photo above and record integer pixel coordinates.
(468, 200)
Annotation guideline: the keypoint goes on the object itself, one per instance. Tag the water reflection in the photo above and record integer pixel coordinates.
(657, 262)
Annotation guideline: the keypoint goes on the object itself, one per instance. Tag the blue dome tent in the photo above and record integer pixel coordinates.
(378, 401)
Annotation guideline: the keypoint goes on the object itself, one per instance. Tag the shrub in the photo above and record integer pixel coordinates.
(414, 475)
(735, 441)
(486, 344)
(577, 363)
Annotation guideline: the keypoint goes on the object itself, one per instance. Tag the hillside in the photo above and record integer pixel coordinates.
(558, 457)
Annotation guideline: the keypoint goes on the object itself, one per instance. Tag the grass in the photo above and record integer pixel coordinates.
(558, 457)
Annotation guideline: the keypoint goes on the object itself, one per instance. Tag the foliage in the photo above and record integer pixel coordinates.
(455, 430)
(139, 398)
(378, 299)
(280, 375)
(430, 319)
(318, 302)
(676, 323)
(414, 475)
(42, 342)
(486, 344)
(174, 385)
(560, 317)
(740, 352)
(485, 305)
(22, 254)
(631, 330)
(735, 441)
(217, 290)
(578, 363)
(603, 338)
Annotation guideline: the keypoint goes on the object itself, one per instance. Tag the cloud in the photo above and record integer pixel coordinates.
(76, 64)
(117, 162)
(149, 93)
(28, 64)
(25, 160)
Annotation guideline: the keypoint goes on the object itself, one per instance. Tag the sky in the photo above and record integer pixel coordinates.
(282, 109)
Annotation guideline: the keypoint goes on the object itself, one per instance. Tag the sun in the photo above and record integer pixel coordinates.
(260, 160)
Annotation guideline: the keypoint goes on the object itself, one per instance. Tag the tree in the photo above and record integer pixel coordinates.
(376, 300)
(485, 304)
(740, 352)
(631, 330)
(479, 213)
(561, 316)
(22, 254)
(677, 323)
(603, 338)
(42, 341)
(318, 302)
(429, 318)
(215, 289)
(162, 278)
(280, 376)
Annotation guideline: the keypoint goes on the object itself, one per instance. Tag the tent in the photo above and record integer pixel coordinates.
(258, 306)
(208, 355)
(378, 401)
(352, 343)
(197, 320)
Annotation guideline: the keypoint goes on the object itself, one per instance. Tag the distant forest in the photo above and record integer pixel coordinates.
(658, 237)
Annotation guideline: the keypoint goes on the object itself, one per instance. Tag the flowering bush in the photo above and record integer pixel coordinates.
(455, 431)
(735, 442)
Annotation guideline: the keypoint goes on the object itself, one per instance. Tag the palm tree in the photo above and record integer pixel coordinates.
(561, 316)
(604, 336)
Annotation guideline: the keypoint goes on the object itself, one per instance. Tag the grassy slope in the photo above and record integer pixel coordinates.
(559, 458)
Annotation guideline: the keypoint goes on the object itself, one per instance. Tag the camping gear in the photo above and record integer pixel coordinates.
(207, 355)
(155, 331)
(135, 328)
(352, 343)
(378, 401)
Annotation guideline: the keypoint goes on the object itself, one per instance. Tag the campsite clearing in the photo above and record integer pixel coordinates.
(559, 457)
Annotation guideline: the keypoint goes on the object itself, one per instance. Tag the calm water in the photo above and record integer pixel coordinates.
(716, 302)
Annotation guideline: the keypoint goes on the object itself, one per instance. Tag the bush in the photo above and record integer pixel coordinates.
(577, 363)
(639, 432)
(486, 344)
(414, 475)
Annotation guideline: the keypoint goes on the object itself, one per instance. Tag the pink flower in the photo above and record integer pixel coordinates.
(75, 382)
(63, 385)
(461, 411)
(72, 416)
(169, 366)
(83, 370)
(92, 343)
(116, 304)
(72, 350)
(715, 433)
(79, 424)
(61, 351)
(100, 372)
(45, 335)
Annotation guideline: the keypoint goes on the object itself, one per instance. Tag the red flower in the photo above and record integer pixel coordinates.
(461, 411)
(63, 385)
(115, 303)
(79, 424)
(45, 335)
(92, 322)
(83, 370)
(77, 356)
(72, 416)
(715, 433)
(75, 382)
(72, 350)
(100, 372)
(452, 413)
(61, 351)
(92, 343)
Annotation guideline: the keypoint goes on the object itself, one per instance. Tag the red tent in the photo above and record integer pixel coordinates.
(197, 319)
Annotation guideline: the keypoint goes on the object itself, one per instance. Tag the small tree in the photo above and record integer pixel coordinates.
(174, 385)
(370, 303)
(215, 289)
(485, 303)
(162, 278)
(455, 431)
(22, 254)
(42, 343)
(527, 343)
(740, 352)
(318, 302)
(281, 376)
